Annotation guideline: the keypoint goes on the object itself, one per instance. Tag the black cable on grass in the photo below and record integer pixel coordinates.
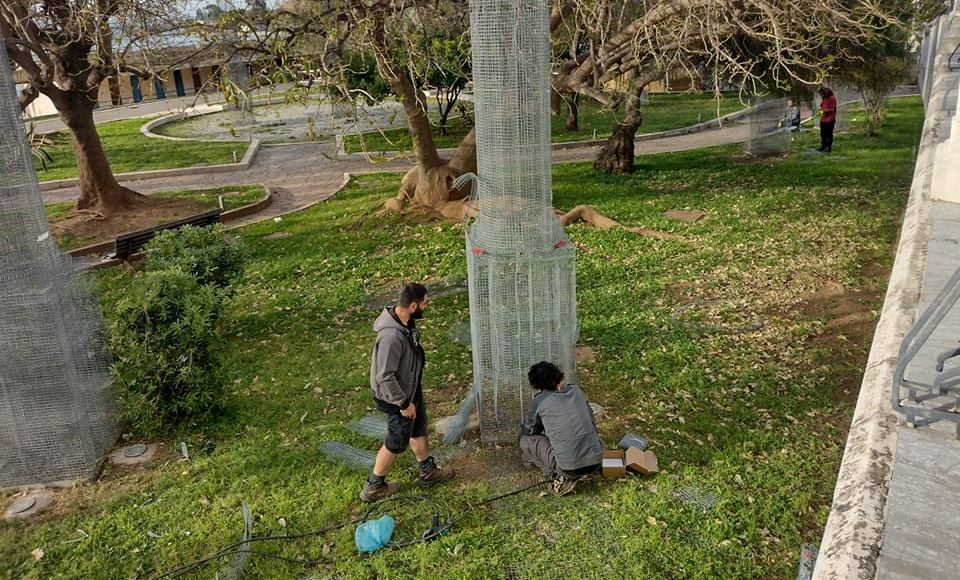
(436, 530)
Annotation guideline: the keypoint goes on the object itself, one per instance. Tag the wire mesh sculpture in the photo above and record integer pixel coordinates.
(769, 128)
(521, 265)
(56, 401)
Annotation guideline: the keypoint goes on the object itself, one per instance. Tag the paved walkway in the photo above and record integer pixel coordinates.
(301, 175)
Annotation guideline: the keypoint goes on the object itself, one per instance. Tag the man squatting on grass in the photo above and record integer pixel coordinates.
(559, 434)
(396, 372)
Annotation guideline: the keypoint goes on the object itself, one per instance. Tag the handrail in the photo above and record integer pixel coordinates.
(953, 63)
(913, 342)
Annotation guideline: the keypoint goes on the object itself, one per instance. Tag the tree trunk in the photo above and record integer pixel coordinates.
(873, 107)
(573, 116)
(617, 154)
(115, 97)
(99, 190)
(556, 102)
(433, 186)
(431, 183)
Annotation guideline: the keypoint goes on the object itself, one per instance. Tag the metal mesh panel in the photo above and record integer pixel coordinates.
(521, 265)
(56, 404)
(697, 496)
(769, 134)
(373, 426)
(349, 456)
(848, 103)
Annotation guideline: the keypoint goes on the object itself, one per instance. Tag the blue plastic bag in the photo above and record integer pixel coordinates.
(374, 534)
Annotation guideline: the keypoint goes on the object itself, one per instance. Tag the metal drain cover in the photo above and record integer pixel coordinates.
(134, 450)
(21, 505)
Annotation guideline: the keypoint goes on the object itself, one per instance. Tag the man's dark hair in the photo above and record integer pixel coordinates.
(545, 376)
(825, 92)
(411, 293)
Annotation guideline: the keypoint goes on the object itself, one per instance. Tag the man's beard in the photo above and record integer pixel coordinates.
(417, 314)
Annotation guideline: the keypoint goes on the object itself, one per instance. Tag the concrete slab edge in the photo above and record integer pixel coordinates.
(147, 128)
(854, 531)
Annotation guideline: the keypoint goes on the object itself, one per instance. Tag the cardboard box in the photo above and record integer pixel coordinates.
(613, 463)
(643, 462)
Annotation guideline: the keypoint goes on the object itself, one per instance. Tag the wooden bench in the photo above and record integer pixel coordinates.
(128, 244)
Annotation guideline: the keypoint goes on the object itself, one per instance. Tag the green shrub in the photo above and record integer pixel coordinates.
(201, 252)
(164, 338)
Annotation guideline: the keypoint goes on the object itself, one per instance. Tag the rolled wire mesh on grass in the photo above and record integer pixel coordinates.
(348, 456)
(234, 570)
(372, 426)
(697, 496)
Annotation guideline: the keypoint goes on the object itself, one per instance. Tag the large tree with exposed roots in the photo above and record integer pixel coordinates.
(67, 49)
(616, 49)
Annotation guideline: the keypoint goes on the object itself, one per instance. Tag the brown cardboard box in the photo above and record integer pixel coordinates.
(613, 464)
(643, 462)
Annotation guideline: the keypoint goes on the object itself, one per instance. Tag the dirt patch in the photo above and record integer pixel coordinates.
(499, 467)
(85, 228)
(849, 321)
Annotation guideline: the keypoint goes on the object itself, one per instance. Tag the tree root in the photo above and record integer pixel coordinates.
(590, 215)
(461, 209)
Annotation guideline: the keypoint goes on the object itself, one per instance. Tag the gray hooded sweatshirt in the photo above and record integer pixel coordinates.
(396, 367)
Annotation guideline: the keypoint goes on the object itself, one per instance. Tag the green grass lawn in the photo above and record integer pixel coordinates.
(731, 349)
(236, 196)
(129, 150)
(665, 111)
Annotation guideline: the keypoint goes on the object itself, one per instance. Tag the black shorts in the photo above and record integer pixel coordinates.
(399, 428)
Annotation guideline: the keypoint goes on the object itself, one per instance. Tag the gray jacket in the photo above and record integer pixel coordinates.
(396, 367)
(567, 421)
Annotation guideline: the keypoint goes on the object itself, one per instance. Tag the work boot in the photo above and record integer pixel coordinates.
(377, 491)
(432, 474)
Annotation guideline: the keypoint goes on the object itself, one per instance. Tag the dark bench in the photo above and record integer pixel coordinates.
(128, 244)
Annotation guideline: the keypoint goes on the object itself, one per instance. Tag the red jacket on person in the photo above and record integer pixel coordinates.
(828, 109)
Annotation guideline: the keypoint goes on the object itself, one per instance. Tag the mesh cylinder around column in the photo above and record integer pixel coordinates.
(56, 403)
(521, 265)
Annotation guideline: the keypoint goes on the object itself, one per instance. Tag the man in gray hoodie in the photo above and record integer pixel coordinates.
(396, 372)
(559, 434)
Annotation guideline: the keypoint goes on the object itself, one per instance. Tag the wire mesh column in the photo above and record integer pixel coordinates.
(521, 265)
(56, 404)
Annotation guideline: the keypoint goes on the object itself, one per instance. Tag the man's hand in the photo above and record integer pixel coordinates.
(410, 412)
